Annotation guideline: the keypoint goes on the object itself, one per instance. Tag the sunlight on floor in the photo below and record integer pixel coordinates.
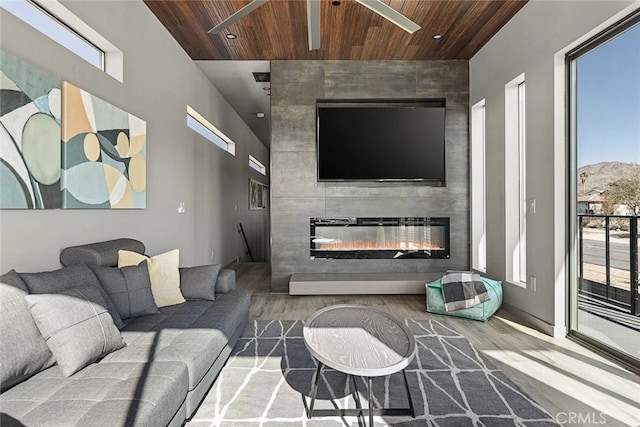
(583, 378)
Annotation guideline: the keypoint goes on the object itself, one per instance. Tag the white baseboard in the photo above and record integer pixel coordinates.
(544, 327)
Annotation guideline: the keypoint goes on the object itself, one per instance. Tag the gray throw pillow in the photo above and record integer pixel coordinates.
(23, 351)
(199, 283)
(129, 288)
(68, 278)
(76, 326)
(12, 278)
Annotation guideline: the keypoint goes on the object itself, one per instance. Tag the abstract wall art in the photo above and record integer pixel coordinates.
(103, 153)
(29, 136)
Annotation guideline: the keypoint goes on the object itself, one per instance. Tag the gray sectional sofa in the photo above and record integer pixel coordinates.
(159, 366)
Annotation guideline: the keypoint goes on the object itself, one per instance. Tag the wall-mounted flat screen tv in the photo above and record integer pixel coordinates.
(381, 141)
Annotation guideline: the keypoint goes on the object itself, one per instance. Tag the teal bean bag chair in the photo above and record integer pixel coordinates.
(483, 311)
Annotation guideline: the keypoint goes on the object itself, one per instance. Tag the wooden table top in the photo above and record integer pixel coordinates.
(359, 340)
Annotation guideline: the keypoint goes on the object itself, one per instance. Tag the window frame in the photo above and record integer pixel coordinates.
(59, 21)
(204, 128)
(257, 166)
(522, 181)
(572, 189)
(516, 182)
(478, 187)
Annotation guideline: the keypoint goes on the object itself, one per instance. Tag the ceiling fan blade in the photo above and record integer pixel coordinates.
(313, 23)
(388, 13)
(236, 16)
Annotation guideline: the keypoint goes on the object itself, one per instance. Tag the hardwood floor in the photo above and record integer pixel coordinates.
(576, 385)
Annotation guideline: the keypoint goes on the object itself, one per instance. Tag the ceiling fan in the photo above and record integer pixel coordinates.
(313, 18)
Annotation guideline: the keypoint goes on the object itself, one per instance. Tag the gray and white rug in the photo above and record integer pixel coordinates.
(451, 384)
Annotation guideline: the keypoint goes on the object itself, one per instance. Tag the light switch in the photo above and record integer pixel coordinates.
(532, 206)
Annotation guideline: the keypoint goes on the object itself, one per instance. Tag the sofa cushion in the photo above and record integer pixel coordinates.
(23, 351)
(102, 394)
(68, 278)
(229, 312)
(199, 282)
(76, 326)
(101, 253)
(164, 273)
(59, 280)
(193, 333)
(129, 288)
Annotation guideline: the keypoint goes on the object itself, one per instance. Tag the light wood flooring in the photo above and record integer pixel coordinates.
(576, 385)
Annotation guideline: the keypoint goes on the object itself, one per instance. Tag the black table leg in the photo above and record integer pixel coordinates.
(359, 411)
(314, 390)
(406, 384)
(356, 398)
(370, 402)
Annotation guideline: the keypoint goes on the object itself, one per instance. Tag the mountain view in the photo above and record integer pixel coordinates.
(601, 174)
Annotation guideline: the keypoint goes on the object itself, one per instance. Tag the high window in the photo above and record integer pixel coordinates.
(515, 181)
(202, 126)
(59, 24)
(478, 188)
(256, 165)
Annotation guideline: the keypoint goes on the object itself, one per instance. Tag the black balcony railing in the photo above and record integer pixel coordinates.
(603, 264)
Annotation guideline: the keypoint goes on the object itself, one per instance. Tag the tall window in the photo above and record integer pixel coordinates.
(202, 126)
(522, 188)
(604, 140)
(515, 181)
(59, 24)
(478, 188)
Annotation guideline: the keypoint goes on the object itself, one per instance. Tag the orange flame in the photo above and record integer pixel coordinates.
(375, 246)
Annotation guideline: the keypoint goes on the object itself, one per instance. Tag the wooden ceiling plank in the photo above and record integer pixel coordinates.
(493, 25)
(469, 19)
(278, 29)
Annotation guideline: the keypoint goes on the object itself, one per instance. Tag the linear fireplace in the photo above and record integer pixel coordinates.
(379, 238)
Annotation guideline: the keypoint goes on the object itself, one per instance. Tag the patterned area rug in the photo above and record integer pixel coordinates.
(270, 370)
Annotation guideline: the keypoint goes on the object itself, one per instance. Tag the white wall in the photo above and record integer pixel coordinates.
(534, 42)
(159, 81)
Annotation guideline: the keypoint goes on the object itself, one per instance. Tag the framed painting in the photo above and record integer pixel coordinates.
(103, 154)
(29, 136)
(258, 196)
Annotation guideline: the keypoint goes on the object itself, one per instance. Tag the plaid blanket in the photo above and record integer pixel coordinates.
(462, 289)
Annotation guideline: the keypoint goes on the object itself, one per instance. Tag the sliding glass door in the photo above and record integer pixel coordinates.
(604, 116)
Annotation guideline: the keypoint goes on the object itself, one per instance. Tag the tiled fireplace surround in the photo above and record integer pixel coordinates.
(296, 196)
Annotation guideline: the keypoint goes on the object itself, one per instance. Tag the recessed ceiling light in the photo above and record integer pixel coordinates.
(266, 88)
(335, 3)
(436, 36)
(231, 36)
(260, 115)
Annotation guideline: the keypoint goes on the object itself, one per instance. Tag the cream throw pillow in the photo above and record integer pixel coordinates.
(163, 272)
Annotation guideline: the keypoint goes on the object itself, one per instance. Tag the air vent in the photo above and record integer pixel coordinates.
(262, 77)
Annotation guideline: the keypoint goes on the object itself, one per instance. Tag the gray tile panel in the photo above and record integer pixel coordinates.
(296, 194)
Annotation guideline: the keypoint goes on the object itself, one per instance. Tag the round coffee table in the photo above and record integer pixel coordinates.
(359, 341)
